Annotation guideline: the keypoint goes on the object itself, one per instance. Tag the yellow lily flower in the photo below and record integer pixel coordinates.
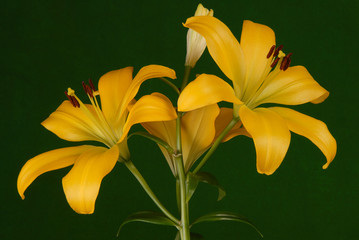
(108, 124)
(199, 129)
(197, 132)
(260, 74)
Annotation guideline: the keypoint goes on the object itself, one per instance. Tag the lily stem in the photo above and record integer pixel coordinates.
(216, 143)
(129, 164)
(185, 233)
(187, 71)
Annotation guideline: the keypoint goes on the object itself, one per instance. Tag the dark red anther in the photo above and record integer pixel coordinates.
(89, 91)
(91, 85)
(271, 50)
(274, 63)
(287, 61)
(280, 47)
(287, 65)
(75, 102)
(84, 86)
(283, 63)
(70, 99)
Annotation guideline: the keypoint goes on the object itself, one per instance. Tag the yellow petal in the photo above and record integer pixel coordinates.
(145, 73)
(81, 185)
(198, 131)
(149, 108)
(112, 87)
(311, 128)
(46, 162)
(270, 134)
(222, 45)
(167, 132)
(224, 118)
(292, 87)
(71, 124)
(205, 90)
(256, 41)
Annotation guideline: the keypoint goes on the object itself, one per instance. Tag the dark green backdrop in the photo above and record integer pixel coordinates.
(47, 46)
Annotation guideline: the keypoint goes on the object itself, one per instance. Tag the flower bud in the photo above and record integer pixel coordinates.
(195, 42)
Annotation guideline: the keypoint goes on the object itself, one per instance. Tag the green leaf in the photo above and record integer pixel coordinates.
(210, 179)
(148, 217)
(225, 216)
(154, 139)
(191, 184)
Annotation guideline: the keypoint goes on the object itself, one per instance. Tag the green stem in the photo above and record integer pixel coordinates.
(187, 71)
(169, 83)
(216, 143)
(148, 190)
(182, 182)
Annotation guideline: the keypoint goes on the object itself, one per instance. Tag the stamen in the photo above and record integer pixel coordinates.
(270, 51)
(288, 60)
(283, 63)
(77, 104)
(70, 99)
(287, 65)
(87, 89)
(280, 47)
(91, 85)
(274, 62)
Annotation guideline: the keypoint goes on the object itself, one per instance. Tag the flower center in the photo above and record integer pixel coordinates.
(277, 61)
(100, 127)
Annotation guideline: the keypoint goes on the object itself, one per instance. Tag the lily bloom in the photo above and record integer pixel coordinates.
(197, 133)
(260, 73)
(108, 124)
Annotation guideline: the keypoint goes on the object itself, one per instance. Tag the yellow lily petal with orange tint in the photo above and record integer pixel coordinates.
(197, 132)
(270, 134)
(222, 45)
(112, 88)
(81, 185)
(167, 132)
(150, 108)
(46, 162)
(224, 118)
(256, 40)
(205, 90)
(72, 124)
(145, 73)
(311, 128)
(291, 87)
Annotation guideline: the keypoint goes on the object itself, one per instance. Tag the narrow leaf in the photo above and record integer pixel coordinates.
(210, 179)
(147, 217)
(225, 216)
(191, 184)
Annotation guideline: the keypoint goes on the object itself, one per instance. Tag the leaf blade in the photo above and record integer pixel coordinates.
(148, 217)
(226, 216)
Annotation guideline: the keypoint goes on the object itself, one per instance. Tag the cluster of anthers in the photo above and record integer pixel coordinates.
(278, 55)
(90, 90)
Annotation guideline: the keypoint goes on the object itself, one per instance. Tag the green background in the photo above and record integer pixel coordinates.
(47, 46)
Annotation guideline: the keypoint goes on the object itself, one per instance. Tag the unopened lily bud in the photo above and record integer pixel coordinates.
(195, 42)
